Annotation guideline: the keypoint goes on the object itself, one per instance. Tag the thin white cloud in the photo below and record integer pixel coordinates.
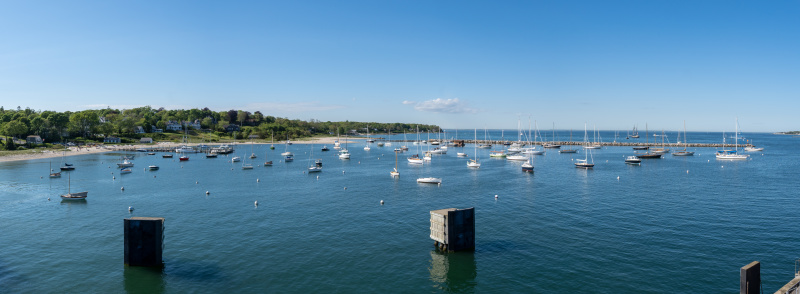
(440, 105)
(298, 107)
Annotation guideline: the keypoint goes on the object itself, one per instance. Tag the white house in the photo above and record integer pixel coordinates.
(138, 130)
(146, 140)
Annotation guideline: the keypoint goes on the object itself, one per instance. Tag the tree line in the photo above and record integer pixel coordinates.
(95, 124)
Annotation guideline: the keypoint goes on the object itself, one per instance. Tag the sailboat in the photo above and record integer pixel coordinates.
(344, 154)
(683, 152)
(272, 141)
(596, 145)
(731, 154)
(395, 173)
(52, 174)
(486, 143)
(317, 167)
(584, 163)
(474, 162)
(552, 144)
(252, 154)
(66, 165)
(415, 159)
(569, 150)
(527, 166)
(246, 165)
(367, 148)
(73, 196)
(288, 156)
(645, 139)
(635, 133)
(267, 162)
(661, 150)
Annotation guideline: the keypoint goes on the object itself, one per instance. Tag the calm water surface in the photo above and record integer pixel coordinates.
(678, 224)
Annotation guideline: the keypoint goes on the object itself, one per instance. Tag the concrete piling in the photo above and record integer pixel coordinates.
(144, 241)
(453, 229)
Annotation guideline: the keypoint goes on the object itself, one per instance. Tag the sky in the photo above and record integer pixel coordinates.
(457, 64)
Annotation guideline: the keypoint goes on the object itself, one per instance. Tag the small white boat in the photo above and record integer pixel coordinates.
(287, 153)
(366, 148)
(236, 159)
(125, 163)
(314, 169)
(429, 180)
(153, 167)
(344, 154)
(497, 154)
(438, 150)
(532, 151)
(473, 163)
(394, 173)
(247, 166)
(753, 149)
(517, 157)
(415, 159)
(125, 170)
(461, 154)
(288, 158)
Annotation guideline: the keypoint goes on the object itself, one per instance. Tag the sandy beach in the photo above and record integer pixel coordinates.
(73, 151)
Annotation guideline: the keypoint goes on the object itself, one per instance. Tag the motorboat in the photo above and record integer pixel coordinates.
(153, 167)
(125, 163)
(236, 159)
(517, 157)
(633, 160)
(183, 158)
(429, 180)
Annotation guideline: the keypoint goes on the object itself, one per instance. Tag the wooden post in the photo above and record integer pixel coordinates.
(750, 278)
(144, 241)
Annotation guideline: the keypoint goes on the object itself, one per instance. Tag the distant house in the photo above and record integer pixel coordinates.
(231, 128)
(253, 137)
(195, 125)
(33, 139)
(146, 140)
(155, 129)
(112, 140)
(138, 130)
(174, 126)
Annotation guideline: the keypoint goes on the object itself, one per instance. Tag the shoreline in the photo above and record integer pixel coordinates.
(75, 150)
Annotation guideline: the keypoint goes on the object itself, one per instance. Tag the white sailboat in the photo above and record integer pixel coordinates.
(343, 153)
(731, 154)
(584, 163)
(415, 159)
(317, 167)
(367, 148)
(395, 172)
(474, 162)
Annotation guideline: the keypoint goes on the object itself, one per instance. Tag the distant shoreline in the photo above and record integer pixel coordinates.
(77, 150)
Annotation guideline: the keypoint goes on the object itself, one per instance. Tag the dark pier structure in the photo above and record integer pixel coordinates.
(144, 241)
(453, 229)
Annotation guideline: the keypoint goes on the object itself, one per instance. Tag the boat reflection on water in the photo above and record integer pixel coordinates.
(139, 279)
(453, 272)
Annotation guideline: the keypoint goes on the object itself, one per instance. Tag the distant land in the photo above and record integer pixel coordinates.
(788, 133)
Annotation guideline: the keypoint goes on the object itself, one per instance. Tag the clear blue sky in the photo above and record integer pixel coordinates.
(459, 64)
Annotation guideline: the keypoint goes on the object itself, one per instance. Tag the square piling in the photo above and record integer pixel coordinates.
(144, 241)
(453, 229)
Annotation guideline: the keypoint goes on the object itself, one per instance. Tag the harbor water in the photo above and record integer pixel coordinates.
(676, 224)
